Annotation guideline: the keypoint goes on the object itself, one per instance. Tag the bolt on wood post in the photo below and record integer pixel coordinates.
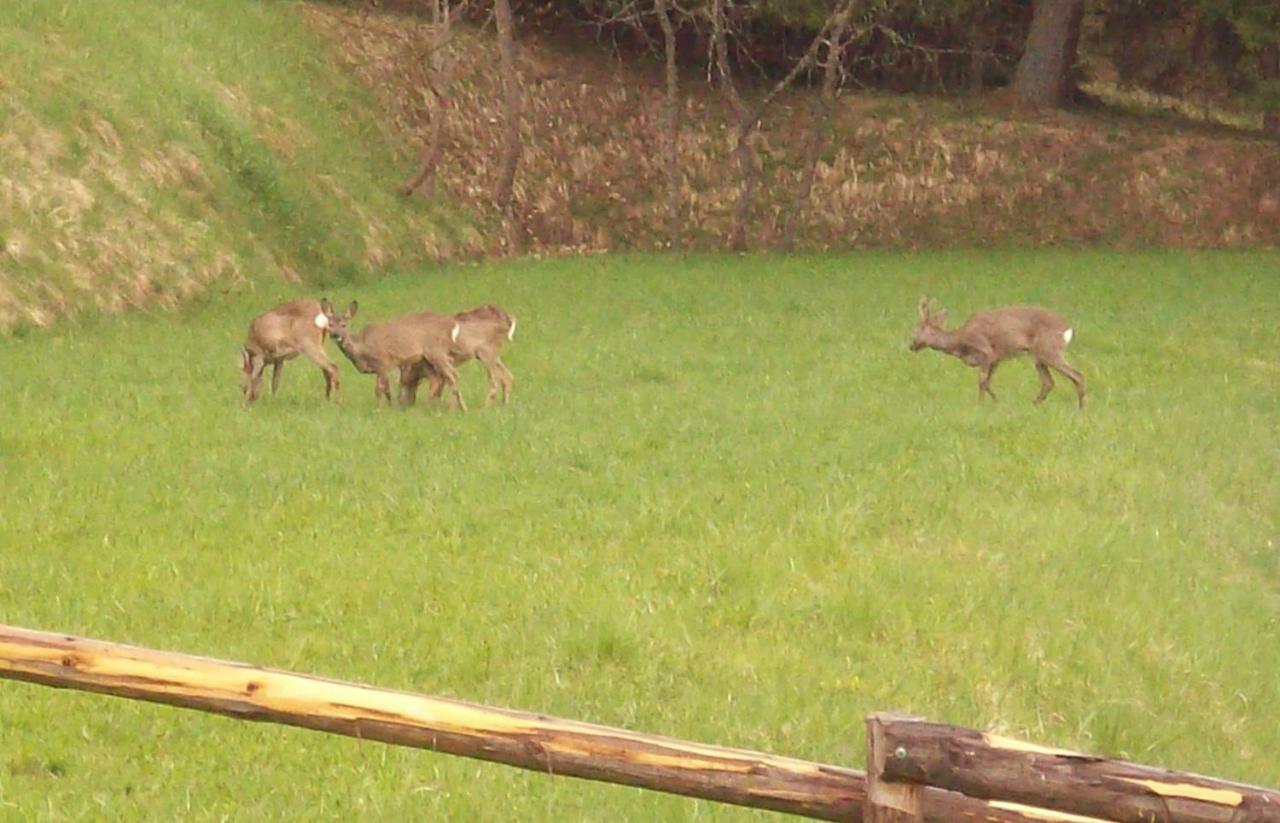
(887, 802)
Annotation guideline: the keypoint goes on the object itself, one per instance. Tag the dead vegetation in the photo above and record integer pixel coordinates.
(125, 254)
(902, 172)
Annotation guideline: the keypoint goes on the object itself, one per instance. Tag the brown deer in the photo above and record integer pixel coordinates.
(289, 329)
(400, 344)
(990, 337)
(483, 331)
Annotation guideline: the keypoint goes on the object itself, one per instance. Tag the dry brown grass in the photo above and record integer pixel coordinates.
(901, 172)
(126, 254)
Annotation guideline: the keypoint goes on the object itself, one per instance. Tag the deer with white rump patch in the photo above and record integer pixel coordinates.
(290, 329)
(402, 343)
(990, 337)
(483, 331)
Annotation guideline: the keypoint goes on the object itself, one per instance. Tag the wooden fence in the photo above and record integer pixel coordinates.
(918, 771)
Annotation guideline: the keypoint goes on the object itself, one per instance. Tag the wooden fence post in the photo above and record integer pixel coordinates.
(887, 802)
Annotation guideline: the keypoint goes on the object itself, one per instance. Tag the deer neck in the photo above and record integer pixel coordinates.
(356, 352)
(942, 340)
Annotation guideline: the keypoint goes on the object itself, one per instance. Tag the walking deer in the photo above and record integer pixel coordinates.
(483, 331)
(289, 329)
(990, 337)
(400, 344)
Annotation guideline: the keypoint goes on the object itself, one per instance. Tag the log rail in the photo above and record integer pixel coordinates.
(576, 749)
(996, 767)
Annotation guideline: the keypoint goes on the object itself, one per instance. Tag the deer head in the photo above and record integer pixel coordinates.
(339, 323)
(928, 324)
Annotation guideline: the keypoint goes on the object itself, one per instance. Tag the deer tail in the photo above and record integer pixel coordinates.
(1066, 336)
(453, 333)
(511, 329)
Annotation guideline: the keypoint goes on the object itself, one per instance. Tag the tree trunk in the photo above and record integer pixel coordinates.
(819, 127)
(1270, 71)
(979, 44)
(439, 80)
(511, 146)
(1043, 76)
(748, 163)
(671, 125)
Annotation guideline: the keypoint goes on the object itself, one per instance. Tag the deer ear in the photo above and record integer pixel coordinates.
(923, 308)
(351, 310)
(326, 306)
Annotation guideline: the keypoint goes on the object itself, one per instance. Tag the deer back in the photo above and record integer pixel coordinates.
(1015, 329)
(483, 326)
(286, 328)
(409, 337)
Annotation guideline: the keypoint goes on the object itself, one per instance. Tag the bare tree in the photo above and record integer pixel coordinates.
(820, 121)
(748, 163)
(746, 120)
(511, 146)
(671, 125)
(442, 64)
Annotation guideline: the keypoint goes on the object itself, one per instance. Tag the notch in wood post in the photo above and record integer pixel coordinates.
(887, 801)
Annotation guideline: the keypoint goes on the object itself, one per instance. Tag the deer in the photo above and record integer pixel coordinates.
(988, 338)
(401, 343)
(483, 331)
(284, 332)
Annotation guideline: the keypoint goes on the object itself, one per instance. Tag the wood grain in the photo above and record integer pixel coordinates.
(990, 766)
(526, 740)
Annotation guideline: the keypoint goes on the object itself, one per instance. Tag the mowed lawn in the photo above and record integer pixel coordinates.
(725, 504)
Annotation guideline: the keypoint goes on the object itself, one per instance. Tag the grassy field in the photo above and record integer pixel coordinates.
(726, 504)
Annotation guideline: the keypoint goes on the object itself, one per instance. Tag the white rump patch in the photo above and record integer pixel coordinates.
(322, 322)
(1066, 336)
(453, 335)
(511, 332)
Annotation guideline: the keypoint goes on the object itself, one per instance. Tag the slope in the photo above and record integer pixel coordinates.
(152, 153)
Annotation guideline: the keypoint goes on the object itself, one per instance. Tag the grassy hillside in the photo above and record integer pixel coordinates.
(153, 152)
(726, 504)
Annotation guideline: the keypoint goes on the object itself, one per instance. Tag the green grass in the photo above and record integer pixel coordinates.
(155, 152)
(726, 504)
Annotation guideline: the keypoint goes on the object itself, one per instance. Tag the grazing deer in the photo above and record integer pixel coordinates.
(290, 329)
(400, 344)
(483, 331)
(990, 337)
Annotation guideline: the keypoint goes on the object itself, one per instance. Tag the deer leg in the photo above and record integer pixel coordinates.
(1072, 374)
(436, 384)
(449, 375)
(253, 377)
(276, 366)
(316, 355)
(984, 380)
(491, 364)
(409, 379)
(382, 388)
(1046, 382)
(508, 380)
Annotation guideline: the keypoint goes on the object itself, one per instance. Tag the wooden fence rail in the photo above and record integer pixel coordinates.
(913, 753)
(994, 767)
